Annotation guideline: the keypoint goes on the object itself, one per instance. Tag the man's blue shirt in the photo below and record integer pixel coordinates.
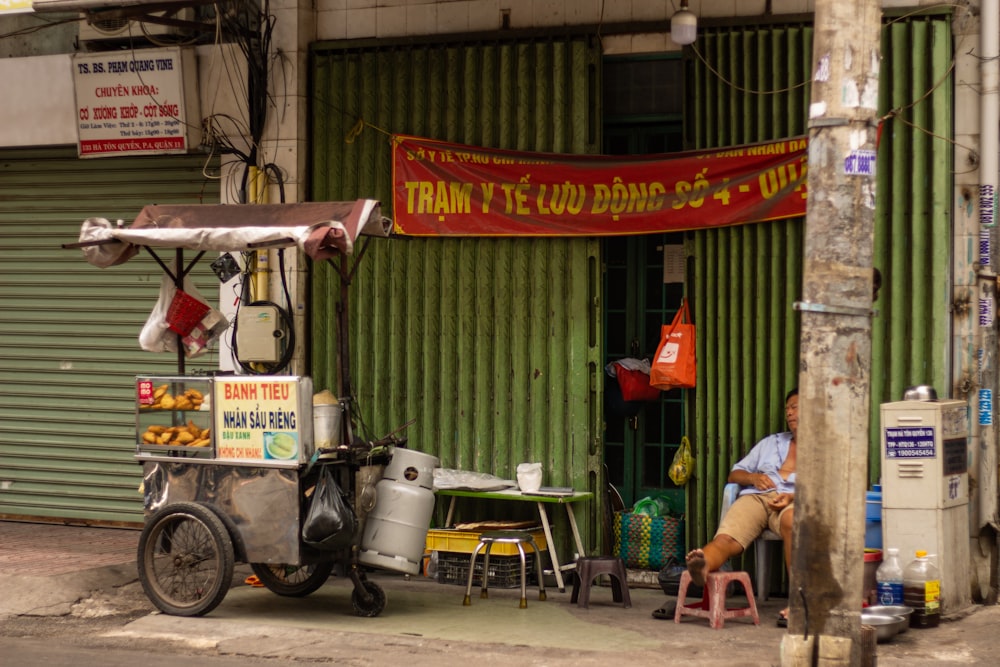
(767, 456)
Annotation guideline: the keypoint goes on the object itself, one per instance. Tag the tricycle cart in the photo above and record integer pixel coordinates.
(232, 468)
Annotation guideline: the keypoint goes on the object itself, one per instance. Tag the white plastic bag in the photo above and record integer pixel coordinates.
(450, 478)
(156, 335)
(211, 327)
(529, 477)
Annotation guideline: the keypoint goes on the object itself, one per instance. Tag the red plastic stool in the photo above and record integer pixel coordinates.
(713, 600)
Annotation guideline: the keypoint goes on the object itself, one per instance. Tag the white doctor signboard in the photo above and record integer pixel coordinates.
(137, 102)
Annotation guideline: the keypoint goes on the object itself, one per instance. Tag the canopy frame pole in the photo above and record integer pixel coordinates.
(345, 386)
(179, 284)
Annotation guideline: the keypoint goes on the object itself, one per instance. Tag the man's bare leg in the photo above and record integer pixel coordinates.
(711, 557)
(786, 524)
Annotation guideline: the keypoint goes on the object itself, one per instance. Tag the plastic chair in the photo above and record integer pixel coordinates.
(591, 567)
(713, 601)
(761, 556)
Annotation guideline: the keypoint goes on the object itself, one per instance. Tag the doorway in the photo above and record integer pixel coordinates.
(644, 279)
(640, 439)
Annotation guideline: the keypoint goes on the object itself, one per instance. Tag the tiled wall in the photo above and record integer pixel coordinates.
(348, 19)
(357, 19)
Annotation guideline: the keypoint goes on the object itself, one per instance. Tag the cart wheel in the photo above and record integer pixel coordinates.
(185, 559)
(294, 581)
(375, 603)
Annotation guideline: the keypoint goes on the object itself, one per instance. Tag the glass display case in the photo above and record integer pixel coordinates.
(256, 419)
(173, 416)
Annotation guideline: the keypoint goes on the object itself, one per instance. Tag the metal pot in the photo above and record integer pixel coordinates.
(920, 392)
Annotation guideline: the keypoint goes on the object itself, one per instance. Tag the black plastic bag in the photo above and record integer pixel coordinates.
(329, 524)
(670, 579)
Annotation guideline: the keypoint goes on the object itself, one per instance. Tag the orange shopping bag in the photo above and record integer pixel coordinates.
(674, 366)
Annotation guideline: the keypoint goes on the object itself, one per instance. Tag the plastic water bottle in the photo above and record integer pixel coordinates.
(922, 591)
(889, 580)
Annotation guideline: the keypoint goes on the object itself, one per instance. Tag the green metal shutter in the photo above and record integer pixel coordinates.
(747, 278)
(914, 214)
(490, 344)
(68, 331)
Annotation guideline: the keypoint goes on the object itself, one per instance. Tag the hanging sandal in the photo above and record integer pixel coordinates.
(782, 620)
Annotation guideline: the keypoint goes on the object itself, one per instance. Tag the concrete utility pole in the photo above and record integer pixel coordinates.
(834, 369)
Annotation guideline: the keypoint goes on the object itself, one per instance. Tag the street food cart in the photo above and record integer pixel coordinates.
(232, 466)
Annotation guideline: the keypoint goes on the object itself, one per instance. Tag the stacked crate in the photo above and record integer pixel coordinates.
(454, 551)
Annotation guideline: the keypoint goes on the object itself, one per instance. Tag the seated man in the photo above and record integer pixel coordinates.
(767, 474)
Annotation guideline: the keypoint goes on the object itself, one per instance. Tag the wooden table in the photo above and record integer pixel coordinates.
(540, 502)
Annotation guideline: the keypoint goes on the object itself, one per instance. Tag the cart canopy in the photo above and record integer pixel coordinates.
(321, 229)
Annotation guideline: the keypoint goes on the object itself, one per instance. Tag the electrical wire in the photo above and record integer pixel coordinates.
(284, 281)
(279, 178)
(46, 23)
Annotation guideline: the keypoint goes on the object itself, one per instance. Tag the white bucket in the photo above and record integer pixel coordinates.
(326, 425)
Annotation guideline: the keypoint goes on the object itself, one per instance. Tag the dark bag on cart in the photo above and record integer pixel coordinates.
(329, 524)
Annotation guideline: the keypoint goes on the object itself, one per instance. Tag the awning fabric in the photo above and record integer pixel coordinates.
(321, 229)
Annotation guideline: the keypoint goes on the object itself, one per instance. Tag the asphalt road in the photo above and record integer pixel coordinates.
(51, 653)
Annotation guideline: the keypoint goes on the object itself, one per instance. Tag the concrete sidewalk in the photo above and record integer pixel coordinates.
(49, 570)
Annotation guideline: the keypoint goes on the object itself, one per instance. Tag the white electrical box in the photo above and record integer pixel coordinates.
(925, 489)
(925, 454)
(258, 334)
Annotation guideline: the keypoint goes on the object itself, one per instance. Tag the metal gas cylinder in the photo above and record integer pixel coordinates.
(396, 528)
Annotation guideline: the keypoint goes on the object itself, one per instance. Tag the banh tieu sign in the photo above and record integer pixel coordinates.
(260, 419)
(15, 6)
(445, 189)
(136, 102)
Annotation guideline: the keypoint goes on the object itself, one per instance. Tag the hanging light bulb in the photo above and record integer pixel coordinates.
(684, 25)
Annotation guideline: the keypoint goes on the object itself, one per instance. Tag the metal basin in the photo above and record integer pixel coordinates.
(893, 610)
(886, 626)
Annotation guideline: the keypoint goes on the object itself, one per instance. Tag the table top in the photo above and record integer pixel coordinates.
(515, 494)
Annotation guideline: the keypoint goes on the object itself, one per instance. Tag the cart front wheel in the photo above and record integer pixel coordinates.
(371, 603)
(294, 581)
(185, 559)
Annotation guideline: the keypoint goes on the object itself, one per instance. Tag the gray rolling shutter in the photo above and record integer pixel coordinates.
(68, 330)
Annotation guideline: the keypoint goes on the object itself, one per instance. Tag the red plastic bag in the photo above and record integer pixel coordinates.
(185, 312)
(635, 385)
(674, 366)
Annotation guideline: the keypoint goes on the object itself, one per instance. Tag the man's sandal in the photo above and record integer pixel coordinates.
(666, 611)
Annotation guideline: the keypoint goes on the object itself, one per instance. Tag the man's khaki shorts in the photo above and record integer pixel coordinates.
(749, 516)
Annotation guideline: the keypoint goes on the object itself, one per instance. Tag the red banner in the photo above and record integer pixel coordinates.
(445, 189)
